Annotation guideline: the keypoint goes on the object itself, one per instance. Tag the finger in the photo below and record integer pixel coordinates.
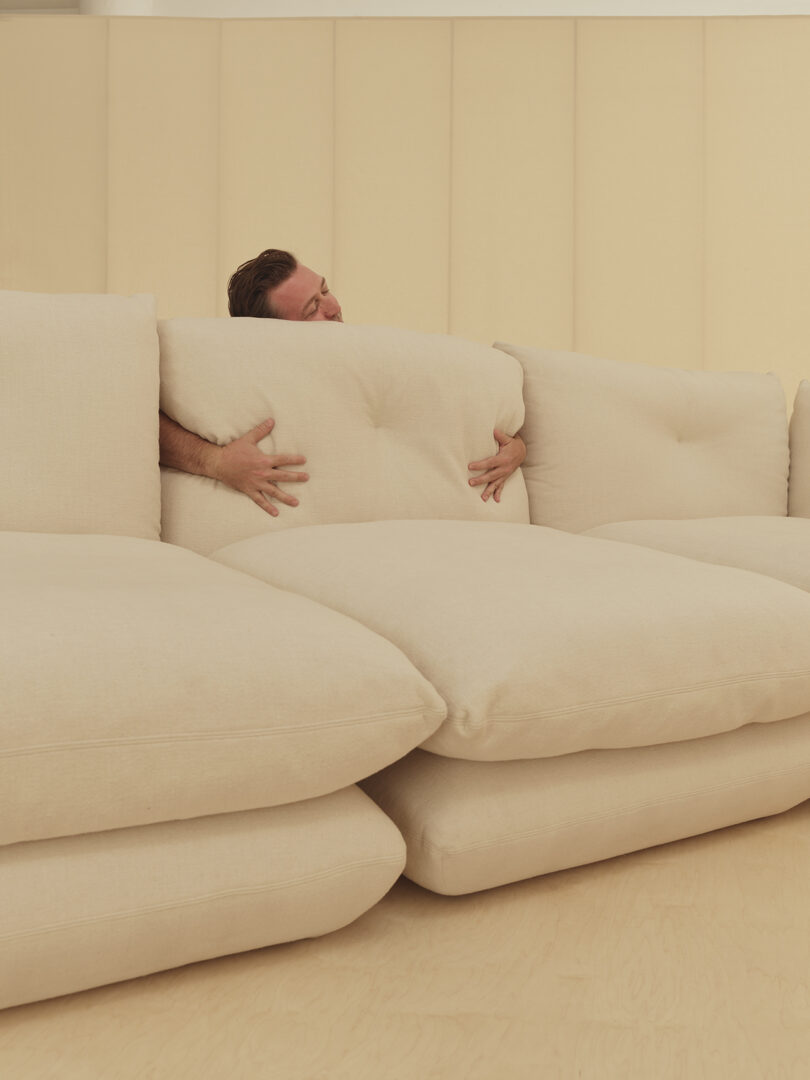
(265, 504)
(487, 477)
(488, 490)
(285, 459)
(497, 493)
(485, 463)
(282, 496)
(276, 476)
(261, 431)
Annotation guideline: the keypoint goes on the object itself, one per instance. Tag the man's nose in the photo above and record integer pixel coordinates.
(330, 306)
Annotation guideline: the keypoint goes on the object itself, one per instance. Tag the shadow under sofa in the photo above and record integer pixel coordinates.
(186, 722)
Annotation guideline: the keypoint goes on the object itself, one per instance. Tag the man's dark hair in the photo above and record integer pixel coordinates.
(249, 285)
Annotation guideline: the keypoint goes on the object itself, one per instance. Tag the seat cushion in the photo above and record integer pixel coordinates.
(613, 441)
(387, 419)
(776, 546)
(543, 643)
(143, 683)
(472, 825)
(86, 910)
(78, 414)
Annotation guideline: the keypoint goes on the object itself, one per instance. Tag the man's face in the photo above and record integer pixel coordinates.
(305, 297)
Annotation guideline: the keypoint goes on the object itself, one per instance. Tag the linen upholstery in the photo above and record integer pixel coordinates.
(471, 825)
(388, 421)
(613, 441)
(141, 683)
(78, 414)
(87, 910)
(546, 643)
(776, 546)
(799, 487)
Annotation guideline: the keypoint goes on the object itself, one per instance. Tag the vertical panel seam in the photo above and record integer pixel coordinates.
(108, 125)
(704, 184)
(574, 184)
(449, 315)
(218, 181)
(333, 242)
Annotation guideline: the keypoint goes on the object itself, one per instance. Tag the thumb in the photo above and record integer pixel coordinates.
(500, 437)
(261, 431)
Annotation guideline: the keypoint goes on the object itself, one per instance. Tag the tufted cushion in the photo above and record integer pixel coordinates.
(78, 414)
(140, 682)
(86, 910)
(387, 419)
(800, 452)
(545, 643)
(611, 441)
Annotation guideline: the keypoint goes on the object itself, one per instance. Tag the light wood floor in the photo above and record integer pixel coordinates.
(686, 961)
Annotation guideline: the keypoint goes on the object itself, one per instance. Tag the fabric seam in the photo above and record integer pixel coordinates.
(209, 736)
(653, 695)
(223, 894)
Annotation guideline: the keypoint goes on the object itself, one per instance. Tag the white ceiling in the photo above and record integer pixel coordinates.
(438, 8)
(341, 8)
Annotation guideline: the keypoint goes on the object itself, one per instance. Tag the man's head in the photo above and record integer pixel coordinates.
(275, 285)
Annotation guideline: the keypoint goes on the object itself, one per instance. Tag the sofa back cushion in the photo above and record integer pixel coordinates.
(799, 493)
(387, 419)
(611, 441)
(78, 414)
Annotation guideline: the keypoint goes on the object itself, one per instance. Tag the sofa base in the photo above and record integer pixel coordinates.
(86, 910)
(473, 825)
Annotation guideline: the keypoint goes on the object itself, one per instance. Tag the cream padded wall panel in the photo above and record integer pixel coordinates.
(94, 909)
(639, 254)
(387, 419)
(276, 143)
(758, 210)
(53, 119)
(163, 162)
(512, 180)
(392, 132)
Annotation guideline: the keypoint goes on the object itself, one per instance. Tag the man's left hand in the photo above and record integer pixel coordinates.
(497, 469)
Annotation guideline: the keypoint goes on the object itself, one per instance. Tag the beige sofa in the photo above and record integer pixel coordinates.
(186, 722)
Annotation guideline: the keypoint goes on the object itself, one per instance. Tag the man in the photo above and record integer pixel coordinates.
(275, 285)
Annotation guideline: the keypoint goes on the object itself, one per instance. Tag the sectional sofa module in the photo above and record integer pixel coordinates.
(185, 723)
(179, 744)
(600, 697)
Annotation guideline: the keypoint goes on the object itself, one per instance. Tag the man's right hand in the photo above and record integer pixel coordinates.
(242, 465)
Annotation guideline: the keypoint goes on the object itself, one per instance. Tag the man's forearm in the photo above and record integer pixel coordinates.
(240, 463)
(181, 449)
